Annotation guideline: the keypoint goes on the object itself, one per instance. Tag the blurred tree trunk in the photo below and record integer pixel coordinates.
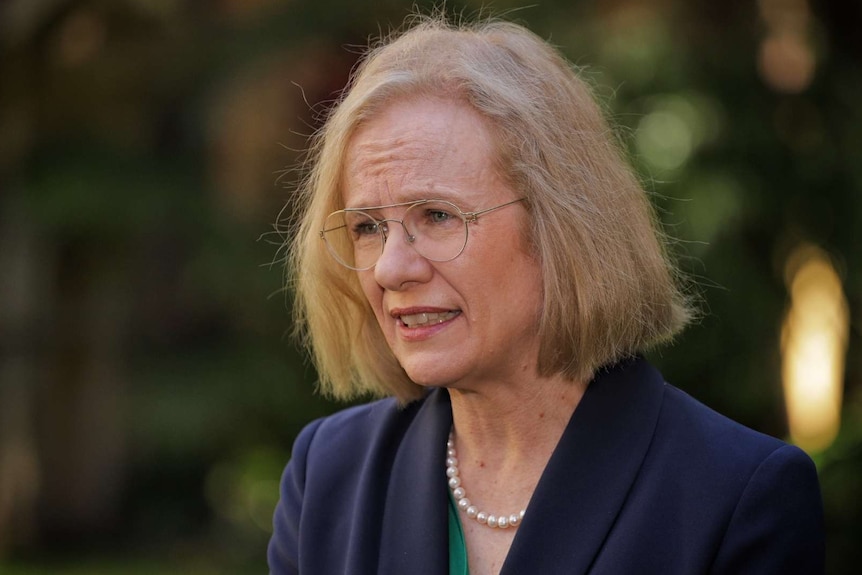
(62, 436)
(81, 433)
(21, 261)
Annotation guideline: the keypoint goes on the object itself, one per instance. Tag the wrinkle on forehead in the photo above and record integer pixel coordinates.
(417, 146)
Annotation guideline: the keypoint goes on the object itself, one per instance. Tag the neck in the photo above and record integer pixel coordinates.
(505, 438)
(512, 420)
(505, 433)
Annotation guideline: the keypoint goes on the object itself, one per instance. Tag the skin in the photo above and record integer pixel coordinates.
(507, 419)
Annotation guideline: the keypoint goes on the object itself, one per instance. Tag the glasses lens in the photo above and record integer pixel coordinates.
(353, 238)
(438, 229)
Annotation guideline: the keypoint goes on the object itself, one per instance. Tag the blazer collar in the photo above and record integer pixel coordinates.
(576, 500)
(415, 532)
(590, 472)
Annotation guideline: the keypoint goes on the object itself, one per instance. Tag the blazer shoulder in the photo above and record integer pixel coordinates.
(706, 449)
(777, 525)
(331, 486)
(351, 434)
(698, 426)
(346, 471)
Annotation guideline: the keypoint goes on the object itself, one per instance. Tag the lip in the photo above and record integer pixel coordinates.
(426, 330)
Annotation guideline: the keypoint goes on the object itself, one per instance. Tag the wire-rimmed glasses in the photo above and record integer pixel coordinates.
(436, 229)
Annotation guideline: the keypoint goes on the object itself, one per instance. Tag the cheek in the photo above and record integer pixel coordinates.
(519, 278)
(373, 294)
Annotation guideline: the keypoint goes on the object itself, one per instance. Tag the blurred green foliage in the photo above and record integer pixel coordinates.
(150, 389)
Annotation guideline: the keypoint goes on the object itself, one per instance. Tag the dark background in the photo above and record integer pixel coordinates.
(150, 392)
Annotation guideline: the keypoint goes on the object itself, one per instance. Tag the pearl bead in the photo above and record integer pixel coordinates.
(464, 504)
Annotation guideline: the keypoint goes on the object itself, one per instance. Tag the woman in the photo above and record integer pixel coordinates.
(473, 246)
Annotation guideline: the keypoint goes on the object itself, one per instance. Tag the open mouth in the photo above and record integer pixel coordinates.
(427, 318)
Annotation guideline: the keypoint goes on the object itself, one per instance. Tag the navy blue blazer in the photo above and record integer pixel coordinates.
(644, 480)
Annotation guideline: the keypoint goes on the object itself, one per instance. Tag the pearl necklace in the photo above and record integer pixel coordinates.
(464, 504)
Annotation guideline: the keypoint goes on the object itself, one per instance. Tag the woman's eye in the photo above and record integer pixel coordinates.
(439, 216)
(365, 229)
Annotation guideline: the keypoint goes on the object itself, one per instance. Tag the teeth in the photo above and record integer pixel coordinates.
(417, 319)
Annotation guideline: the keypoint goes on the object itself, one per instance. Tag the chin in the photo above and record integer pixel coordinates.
(431, 376)
(427, 380)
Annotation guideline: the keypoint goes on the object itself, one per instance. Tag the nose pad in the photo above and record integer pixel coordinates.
(384, 227)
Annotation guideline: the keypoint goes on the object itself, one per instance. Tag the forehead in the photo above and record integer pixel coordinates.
(417, 148)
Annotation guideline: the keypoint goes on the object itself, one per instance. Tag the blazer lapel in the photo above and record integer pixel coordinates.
(590, 473)
(415, 532)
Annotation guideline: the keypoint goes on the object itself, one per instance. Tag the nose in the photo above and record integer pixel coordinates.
(400, 265)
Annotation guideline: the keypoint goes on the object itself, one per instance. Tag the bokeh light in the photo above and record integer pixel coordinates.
(814, 343)
(786, 58)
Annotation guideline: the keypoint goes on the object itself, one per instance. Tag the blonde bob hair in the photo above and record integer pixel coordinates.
(610, 289)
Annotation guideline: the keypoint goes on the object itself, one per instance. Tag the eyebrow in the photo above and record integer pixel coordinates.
(396, 205)
(451, 195)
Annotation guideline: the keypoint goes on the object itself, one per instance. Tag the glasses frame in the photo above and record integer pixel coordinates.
(383, 229)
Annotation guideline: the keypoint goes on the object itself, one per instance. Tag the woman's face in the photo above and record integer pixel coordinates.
(487, 300)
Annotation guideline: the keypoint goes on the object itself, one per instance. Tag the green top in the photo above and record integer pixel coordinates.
(457, 546)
